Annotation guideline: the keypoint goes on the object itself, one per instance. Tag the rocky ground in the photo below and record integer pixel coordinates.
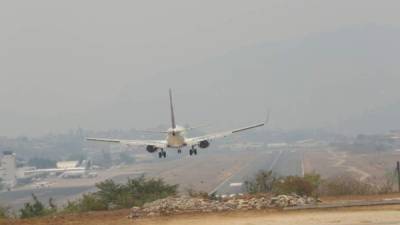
(184, 204)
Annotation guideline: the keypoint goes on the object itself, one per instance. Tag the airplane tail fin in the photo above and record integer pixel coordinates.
(172, 110)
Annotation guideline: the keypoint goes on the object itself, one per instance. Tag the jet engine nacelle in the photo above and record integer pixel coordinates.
(204, 144)
(151, 148)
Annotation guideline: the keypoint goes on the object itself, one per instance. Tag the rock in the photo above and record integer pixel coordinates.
(310, 200)
(179, 205)
(300, 202)
(152, 214)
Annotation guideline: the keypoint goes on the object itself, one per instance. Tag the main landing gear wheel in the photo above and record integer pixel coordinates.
(193, 151)
(162, 154)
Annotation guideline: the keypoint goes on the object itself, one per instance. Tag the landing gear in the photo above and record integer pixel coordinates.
(193, 151)
(162, 154)
(179, 151)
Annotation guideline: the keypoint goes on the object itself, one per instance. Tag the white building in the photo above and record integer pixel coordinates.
(8, 169)
(67, 164)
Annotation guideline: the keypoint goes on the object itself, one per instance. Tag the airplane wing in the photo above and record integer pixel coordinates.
(210, 137)
(131, 143)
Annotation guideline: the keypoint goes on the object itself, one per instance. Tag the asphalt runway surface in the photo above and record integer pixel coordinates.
(16, 199)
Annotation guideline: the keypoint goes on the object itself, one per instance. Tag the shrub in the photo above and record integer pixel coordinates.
(315, 180)
(346, 185)
(4, 212)
(198, 194)
(141, 190)
(294, 185)
(108, 191)
(268, 182)
(389, 183)
(111, 195)
(262, 182)
(37, 208)
(88, 202)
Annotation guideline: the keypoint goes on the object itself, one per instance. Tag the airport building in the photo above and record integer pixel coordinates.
(8, 169)
(67, 164)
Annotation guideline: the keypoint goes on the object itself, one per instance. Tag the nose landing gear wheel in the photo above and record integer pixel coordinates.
(179, 151)
(191, 152)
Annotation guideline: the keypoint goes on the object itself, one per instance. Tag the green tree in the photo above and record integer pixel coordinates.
(33, 209)
(109, 192)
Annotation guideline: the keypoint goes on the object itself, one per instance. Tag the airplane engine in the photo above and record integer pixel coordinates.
(151, 148)
(204, 144)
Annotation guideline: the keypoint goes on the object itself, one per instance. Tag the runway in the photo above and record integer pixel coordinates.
(282, 162)
(17, 199)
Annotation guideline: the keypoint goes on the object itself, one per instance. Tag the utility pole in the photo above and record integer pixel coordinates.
(398, 173)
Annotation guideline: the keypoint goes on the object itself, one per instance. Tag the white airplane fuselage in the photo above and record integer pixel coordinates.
(176, 137)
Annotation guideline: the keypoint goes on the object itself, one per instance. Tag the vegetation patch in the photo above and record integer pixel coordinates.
(313, 185)
(111, 195)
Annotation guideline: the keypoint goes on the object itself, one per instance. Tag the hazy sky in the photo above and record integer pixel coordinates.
(109, 64)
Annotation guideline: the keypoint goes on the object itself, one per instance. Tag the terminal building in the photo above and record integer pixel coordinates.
(8, 169)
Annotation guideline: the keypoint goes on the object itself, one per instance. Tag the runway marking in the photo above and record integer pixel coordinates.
(221, 184)
(341, 163)
(276, 160)
(215, 190)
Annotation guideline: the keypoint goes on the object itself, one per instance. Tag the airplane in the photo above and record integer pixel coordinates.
(175, 137)
(70, 167)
